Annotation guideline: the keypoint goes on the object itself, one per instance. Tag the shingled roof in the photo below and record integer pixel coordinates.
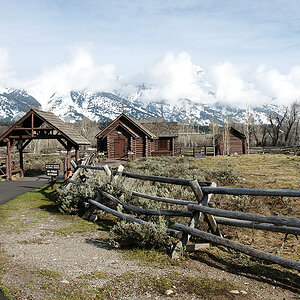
(3, 129)
(121, 117)
(63, 127)
(234, 132)
(53, 121)
(162, 129)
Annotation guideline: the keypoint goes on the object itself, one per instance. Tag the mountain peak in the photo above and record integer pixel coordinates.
(104, 105)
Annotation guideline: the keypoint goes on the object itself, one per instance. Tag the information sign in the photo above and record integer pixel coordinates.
(52, 172)
(52, 167)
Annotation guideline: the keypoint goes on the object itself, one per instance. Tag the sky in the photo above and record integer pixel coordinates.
(242, 51)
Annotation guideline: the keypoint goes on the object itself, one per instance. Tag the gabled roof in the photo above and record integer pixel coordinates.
(118, 120)
(63, 127)
(124, 127)
(162, 129)
(3, 129)
(53, 121)
(234, 132)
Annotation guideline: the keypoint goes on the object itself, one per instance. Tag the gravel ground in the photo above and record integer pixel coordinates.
(41, 263)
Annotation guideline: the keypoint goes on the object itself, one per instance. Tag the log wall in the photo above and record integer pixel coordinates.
(116, 134)
(236, 145)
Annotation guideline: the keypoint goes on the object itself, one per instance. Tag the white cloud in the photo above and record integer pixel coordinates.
(230, 87)
(283, 88)
(77, 73)
(173, 78)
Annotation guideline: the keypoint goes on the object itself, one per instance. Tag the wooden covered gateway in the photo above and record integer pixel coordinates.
(37, 124)
(126, 136)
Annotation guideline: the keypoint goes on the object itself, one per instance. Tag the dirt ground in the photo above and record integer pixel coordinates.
(46, 255)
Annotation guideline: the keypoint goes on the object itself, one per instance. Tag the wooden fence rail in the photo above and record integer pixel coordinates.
(177, 181)
(203, 190)
(260, 226)
(122, 216)
(276, 220)
(239, 247)
(144, 211)
(205, 185)
(162, 199)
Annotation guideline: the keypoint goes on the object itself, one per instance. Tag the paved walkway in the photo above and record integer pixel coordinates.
(11, 189)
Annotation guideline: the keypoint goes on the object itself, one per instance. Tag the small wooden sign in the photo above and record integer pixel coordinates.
(52, 172)
(52, 166)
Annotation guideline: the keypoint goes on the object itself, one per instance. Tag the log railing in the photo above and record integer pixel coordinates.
(203, 191)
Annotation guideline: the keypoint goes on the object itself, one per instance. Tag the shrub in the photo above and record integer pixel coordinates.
(243, 203)
(223, 176)
(67, 202)
(133, 235)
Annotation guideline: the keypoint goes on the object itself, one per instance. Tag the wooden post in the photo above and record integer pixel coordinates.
(65, 168)
(8, 161)
(146, 146)
(20, 148)
(107, 170)
(68, 161)
(202, 199)
(173, 146)
(32, 124)
(21, 162)
(77, 154)
(53, 182)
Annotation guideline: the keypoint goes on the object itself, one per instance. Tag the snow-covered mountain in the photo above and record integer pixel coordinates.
(14, 102)
(102, 106)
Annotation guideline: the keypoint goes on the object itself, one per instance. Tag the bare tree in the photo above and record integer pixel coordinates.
(226, 138)
(275, 129)
(249, 128)
(292, 123)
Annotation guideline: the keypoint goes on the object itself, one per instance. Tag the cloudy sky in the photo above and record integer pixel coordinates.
(243, 51)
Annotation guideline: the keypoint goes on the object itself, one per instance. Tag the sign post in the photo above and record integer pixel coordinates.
(53, 171)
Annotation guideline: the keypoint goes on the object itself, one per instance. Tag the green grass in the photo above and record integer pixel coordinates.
(145, 257)
(47, 273)
(95, 275)
(8, 291)
(31, 200)
(181, 284)
(79, 226)
(26, 210)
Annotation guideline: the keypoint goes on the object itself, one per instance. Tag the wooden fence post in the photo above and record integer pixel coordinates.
(202, 199)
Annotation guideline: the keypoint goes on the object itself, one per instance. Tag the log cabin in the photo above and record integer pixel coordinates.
(126, 137)
(237, 142)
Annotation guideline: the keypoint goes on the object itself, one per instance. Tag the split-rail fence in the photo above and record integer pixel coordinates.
(203, 191)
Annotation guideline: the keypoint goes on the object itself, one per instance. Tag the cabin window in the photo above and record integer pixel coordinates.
(163, 145)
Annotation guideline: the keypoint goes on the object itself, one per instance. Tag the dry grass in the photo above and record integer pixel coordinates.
(251, 171)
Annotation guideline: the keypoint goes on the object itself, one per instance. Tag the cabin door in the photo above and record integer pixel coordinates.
(120, 150)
